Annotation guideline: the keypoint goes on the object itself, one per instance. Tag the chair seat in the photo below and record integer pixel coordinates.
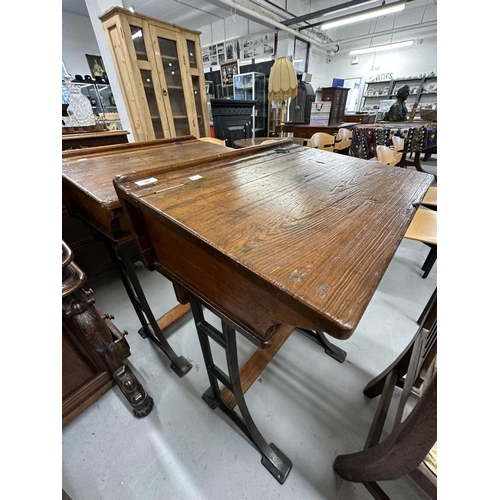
(213, 140)
(423, 227)
(430, 198)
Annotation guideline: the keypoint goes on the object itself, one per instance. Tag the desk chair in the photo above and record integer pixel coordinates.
(398, 144)
(430, 198)
(322, 140)
(410, 447)
(343, 141)
(423, 227)
(213, 140)
(388, 156)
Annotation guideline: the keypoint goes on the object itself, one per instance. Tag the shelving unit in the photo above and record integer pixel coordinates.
(422, 89)
(160, 70)
(252, 87)
(103, 103)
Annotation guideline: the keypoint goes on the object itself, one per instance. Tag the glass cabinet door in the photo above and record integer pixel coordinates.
(158, 121)
(199, 92)
(172, 89)
(252, 86)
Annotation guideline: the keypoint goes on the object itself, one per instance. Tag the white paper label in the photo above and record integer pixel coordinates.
(145, 182)
(196, 177)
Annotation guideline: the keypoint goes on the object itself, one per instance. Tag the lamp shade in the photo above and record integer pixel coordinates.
(282, 80)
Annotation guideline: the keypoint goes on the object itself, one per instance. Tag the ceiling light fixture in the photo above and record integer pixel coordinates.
(363, 16)
(380, 48)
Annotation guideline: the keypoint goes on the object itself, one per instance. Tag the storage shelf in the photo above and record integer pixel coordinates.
(394, 85)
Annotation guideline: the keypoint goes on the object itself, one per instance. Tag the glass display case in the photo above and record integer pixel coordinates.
(160, 71)
(252, 87)
(103, 103)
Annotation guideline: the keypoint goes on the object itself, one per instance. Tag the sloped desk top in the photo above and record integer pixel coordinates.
(276, 235)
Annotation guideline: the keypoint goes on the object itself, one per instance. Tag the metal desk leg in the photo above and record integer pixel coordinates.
(121, 255)
(273, 459)
(320, 339)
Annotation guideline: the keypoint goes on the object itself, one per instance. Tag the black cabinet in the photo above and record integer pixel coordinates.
(232, 119)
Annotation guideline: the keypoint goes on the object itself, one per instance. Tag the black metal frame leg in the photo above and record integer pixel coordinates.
(121, 255)
(320, 339)
(429, 261)
(273, 459)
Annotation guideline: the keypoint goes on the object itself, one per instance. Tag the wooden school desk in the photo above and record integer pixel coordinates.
(270, 238)
(88, 192)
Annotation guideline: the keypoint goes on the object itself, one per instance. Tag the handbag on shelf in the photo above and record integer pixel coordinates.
(320, 112)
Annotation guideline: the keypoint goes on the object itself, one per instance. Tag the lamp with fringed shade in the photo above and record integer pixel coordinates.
(282, 83)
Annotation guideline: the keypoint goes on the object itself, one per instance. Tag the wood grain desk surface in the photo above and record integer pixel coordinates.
(255, 141)
(88, 174)
(271, 237)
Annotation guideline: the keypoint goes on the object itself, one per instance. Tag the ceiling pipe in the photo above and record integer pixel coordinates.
(268, 21)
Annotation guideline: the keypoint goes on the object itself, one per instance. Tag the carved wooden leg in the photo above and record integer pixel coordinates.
(83, 317)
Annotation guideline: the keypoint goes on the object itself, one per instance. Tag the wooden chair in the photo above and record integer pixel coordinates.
(410, 448)
(423, 227)
(388, 156)
(430, 198)
(322, 140)
(343, 141)
(398, 144)
(213, 140)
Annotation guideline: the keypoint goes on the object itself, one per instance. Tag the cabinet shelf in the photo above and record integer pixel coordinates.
(393, 85)
(252, 87)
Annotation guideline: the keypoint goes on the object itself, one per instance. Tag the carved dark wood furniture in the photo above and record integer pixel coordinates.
(88, 193)
(338, 98)
(270, 238)
(403, 451)
(232, 119)
(93, 350)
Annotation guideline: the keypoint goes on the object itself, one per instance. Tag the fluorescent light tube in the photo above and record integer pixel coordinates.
(363, 16)
(380, 48)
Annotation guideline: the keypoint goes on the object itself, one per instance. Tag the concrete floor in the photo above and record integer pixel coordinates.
(308, 404)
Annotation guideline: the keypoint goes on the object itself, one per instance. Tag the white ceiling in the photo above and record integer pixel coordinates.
(418, 20)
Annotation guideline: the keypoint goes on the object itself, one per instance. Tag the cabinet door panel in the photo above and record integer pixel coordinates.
(173, 78)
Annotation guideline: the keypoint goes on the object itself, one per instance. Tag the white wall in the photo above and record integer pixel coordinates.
(78, 39)
(402, 62)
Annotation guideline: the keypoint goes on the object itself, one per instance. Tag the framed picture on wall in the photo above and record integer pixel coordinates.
(227, 71)
(96, 66)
